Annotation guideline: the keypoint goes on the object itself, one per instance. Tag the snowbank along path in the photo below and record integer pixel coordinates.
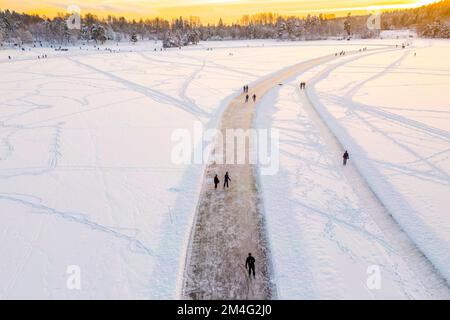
(431, 279)
(228, 223)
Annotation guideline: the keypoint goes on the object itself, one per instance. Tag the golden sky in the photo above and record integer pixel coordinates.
(207, 10)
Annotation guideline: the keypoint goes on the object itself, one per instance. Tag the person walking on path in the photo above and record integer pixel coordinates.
(226, 180)
(250, 265)
(216, 181)
(345, 157)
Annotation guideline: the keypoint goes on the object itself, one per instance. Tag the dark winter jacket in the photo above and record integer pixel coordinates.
(250, 262)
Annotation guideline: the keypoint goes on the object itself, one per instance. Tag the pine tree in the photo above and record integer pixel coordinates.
(348, 25)
(98, 33)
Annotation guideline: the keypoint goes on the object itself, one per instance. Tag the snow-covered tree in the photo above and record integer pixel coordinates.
(25, 36)
(133, 38)
(193, 37)
(98, 33)
(436, 30)
(348, 25)
(281, 29)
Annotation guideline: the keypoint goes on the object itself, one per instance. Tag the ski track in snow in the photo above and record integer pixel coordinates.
(37, 207)
(185, 104)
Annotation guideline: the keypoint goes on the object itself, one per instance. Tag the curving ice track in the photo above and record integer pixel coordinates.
(326, 226)
(229, 223)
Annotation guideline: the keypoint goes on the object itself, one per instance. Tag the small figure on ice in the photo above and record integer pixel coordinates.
(250, 265)
(216, 181)
(246, 98)
(254, 97)
(226, 180)
(345, 157)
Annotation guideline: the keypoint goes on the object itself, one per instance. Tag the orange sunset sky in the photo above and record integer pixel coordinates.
(207, 10)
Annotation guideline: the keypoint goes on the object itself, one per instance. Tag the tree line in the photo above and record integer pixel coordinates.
(20, 28)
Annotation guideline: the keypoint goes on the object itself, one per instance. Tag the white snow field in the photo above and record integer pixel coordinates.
(86, 177)
(330, 227)
(393, 111)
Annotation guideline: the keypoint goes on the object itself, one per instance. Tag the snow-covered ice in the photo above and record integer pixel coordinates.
(392, 112)
(86, 177)
(327, 232)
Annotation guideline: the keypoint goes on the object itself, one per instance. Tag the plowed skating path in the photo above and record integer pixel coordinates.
(228, 223)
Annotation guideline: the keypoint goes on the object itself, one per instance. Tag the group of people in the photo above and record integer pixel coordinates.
(44, 56)
(250, 261)
(226, 181)
(247, 96)
(403, 45)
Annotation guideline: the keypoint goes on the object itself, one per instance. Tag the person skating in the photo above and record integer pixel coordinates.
(226, 180)
(346, 156)
(246, 98)
(250, 265)
(254, 97)
(216, 181)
